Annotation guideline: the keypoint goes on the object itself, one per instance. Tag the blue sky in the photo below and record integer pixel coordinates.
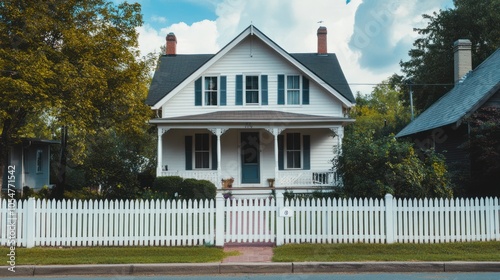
(370, 37)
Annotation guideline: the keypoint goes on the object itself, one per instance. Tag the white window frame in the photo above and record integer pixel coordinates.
(301, 151)
(259, 89)
(204, 91)
(288, 89)
(195, 151)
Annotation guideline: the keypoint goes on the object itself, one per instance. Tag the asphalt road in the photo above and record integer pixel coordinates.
(364, 276)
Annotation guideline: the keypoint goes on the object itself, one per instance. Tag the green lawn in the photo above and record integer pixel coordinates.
(474, 251)
(118, 255)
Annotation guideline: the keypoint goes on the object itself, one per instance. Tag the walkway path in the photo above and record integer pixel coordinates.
(249, 252)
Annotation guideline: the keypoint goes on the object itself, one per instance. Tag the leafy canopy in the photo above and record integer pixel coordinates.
(430, 67)
(373, 163)
(71, 64)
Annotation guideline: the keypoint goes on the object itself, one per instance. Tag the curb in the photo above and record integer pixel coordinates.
(245, 268)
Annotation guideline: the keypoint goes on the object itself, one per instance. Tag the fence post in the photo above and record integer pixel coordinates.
(280, 203)
(29, 222)
(219, 220)
(389, 218)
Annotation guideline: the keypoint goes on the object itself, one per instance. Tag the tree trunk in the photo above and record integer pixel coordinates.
(58, 191)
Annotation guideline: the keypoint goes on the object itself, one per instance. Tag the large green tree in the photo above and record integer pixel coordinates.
(72, 66)
(374, 163)
(430, 68)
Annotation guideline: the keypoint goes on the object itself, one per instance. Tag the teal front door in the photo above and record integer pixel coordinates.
(250, 158)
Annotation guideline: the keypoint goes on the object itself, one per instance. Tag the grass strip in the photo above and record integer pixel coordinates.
(470, 251)
(119, 255)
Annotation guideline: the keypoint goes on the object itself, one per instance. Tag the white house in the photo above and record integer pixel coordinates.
(252, 112)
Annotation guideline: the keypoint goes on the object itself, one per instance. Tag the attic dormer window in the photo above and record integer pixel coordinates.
(211, 91)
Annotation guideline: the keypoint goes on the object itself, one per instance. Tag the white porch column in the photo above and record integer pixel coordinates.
(218, 132)
(338, 131)
(159, 158)
(276, 131)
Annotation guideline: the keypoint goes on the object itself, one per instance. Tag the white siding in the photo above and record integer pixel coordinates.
(255, 58)
(322, 151)
(322, 146)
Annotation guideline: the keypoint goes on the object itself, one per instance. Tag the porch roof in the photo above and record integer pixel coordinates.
(254, 116)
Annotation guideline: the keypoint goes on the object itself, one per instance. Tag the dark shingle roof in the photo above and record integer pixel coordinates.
(463, 99)
(171, 71)
(326, 67)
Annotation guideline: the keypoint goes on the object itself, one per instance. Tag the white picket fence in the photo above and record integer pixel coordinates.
(32, 222)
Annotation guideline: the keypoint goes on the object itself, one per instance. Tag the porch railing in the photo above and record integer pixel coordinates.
(306, 178)
(288, 178)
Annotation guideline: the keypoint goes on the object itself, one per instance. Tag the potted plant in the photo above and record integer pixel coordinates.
(227, 183)
(270, 181)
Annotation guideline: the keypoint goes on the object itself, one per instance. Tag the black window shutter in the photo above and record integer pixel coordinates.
(281, 152)
(214, 152)
(188, 147)
(197, 92)
(305, 90)
(223, 90)
(239, 90)
(281, 89)
(263, 80)
(306, 144)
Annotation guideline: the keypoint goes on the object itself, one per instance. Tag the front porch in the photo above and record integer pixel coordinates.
(297, 179)
(294, 154)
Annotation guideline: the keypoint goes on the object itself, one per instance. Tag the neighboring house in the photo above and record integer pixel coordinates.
(31, 161)
(443, 125)
(252, 112)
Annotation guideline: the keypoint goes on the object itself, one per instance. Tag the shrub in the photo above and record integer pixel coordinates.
(169, 185)
(149, 194)
(82, 194)
(198, 189)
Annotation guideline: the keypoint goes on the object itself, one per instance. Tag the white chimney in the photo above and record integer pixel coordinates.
(462, 58)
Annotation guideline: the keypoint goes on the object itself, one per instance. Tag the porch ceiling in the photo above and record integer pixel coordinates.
(254, 116)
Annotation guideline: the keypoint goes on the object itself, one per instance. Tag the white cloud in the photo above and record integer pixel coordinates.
(292, 24)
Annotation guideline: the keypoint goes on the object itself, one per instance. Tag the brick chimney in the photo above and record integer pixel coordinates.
(171, 44)
(462, 58)
(322, 49)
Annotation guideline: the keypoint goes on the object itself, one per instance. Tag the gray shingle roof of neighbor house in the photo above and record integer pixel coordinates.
(465, 98)
(174, 69)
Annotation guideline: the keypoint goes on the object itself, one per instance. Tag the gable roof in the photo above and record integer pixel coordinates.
(174, 70)
(464, 99)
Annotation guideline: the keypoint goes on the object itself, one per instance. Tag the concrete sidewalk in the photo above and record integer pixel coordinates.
(246, 268)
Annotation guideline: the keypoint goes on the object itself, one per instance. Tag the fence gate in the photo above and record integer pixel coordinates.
(250, 220)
